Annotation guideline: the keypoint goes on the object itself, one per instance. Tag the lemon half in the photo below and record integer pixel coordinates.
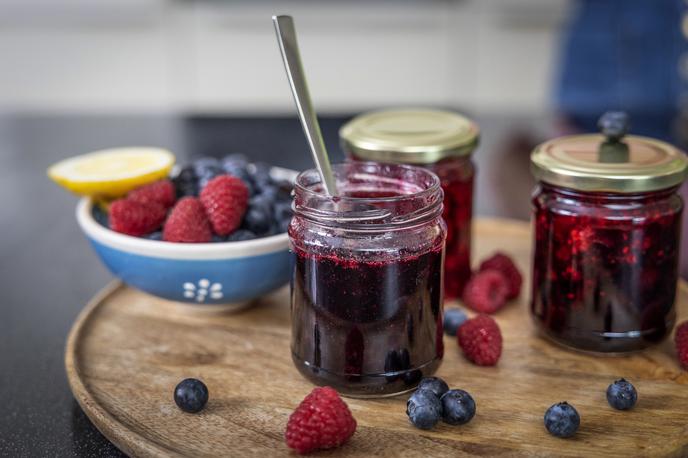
(112, 172)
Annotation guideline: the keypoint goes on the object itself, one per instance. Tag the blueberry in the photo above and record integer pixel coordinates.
(622, 395)
(157, 235)
(265, 202)
(453, 318)
(239, 171)
(260, 172)
(458, 407)
(614, 124)
(274, 229)
(283, 211)
(257, 220)
(202, 183)
(435, 385)
(562, 420)
(191, 395)
(186, 189)
(283, 226)
(270, 191)
(236, 167)
(100, 215)
(423, 409)
(284, 195)
(186, 182)
(235, 160)
(240, 235)
(186, 173)
(205, 164)
(249, 185)
(218, 238)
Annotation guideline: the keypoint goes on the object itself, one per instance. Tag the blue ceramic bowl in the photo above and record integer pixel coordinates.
(224, 275)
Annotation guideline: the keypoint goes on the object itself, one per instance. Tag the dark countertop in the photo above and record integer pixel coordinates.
(48, 272)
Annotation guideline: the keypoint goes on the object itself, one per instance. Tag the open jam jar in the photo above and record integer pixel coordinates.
(366, 296)
(607, 227)
(440, 141)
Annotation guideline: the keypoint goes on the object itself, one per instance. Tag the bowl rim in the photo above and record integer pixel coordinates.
(182, 251)
(159, 249)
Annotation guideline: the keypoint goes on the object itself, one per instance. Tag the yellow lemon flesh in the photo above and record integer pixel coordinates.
(111, 173)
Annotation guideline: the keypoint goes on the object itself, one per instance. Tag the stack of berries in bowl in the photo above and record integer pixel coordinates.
(207, 201)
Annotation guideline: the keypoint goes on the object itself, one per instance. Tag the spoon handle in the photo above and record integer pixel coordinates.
(286, 36)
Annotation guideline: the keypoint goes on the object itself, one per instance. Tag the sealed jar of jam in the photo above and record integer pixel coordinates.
(440, 141)
(366, 300)
(607, 224)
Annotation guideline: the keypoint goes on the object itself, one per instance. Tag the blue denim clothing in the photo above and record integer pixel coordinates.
(624, 55)
(628, 55)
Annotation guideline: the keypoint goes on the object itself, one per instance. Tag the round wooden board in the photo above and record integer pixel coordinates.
(127, 351)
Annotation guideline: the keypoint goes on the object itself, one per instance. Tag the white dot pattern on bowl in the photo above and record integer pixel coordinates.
(199, 291)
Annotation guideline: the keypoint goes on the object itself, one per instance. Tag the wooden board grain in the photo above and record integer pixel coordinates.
(128, 350)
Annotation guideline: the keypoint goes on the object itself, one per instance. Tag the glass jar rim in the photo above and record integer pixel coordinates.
(372, 213)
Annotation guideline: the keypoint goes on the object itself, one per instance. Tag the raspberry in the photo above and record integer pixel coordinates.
(681, 340)
(481, 340)
(505, 265)
(486, 291)
(135, 218)
(225, 199)
(187, 223)
(161, 192)
(321, 421)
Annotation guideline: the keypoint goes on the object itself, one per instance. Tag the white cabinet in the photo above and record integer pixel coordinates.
(212, 56)
(355, 57)
(79, 55)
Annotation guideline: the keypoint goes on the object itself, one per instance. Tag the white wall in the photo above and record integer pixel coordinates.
(142, 55)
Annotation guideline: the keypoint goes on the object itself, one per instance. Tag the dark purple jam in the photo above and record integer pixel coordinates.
(605, 267)
(367, 327)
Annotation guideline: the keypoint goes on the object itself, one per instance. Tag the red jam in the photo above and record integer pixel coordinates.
(367, 293)
(456, 176)
(605, 267)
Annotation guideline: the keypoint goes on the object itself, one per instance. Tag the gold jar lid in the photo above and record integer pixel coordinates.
(409, 136)
(609, 162)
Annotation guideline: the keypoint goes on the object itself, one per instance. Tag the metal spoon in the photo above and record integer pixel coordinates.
(286, 37)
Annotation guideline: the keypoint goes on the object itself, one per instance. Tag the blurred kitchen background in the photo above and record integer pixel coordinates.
(201, 77)
(214, 56)
(204, 77)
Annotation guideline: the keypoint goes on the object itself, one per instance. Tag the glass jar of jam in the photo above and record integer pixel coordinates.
(366, 291)
(607, 227)
(440, 141)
